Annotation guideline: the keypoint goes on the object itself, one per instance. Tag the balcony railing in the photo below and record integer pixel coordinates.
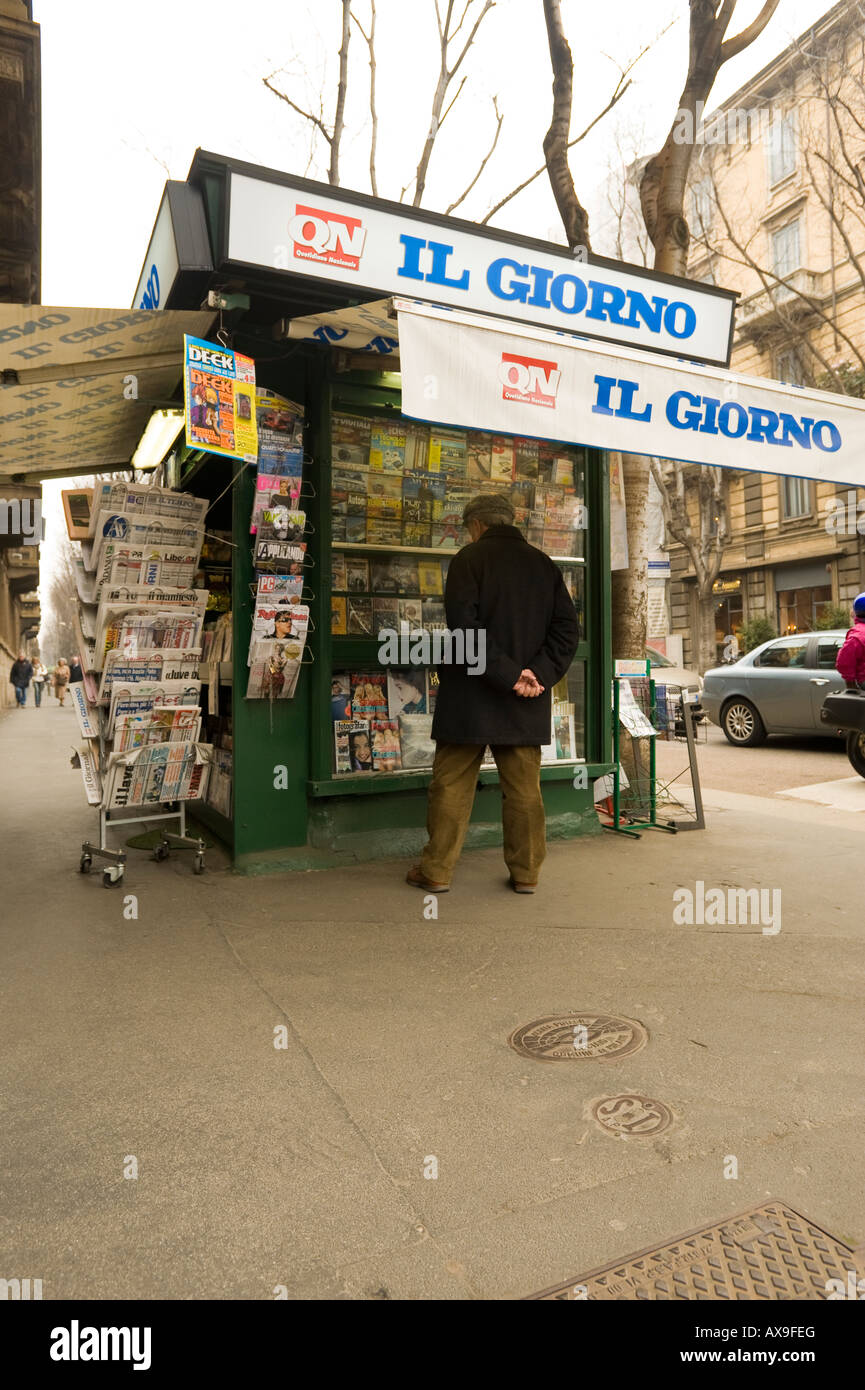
(760, 308)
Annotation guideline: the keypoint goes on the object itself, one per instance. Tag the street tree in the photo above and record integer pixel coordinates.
(662, 199)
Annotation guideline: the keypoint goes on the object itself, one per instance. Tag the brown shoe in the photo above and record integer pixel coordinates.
(418, 879)
(522, 887)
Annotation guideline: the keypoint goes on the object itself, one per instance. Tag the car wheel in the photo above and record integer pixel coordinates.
(742, 724)
(856, 751)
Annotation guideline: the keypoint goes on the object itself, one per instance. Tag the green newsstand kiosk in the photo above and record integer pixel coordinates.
(306, 276)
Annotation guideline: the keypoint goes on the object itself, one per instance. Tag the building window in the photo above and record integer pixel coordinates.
(795, 498)
(702, 206)
(800, 609)
(782, 148)
(786, 250)
(788, 368)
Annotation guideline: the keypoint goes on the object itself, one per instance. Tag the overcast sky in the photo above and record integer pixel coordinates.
(130, 91)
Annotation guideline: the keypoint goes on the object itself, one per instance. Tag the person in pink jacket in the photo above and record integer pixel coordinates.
(850, 662)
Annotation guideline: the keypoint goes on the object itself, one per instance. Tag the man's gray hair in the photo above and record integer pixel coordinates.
(490, 509)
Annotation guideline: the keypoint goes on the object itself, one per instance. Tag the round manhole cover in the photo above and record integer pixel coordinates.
(568, 1037)
(631, 1115)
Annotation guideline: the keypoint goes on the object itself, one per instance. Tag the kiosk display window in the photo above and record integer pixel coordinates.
(398, 490)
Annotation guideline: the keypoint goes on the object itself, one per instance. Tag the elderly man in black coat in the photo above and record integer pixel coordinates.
(510, 599)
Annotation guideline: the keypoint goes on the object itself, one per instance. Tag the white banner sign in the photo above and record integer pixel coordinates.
(462, 370)
(366, 245)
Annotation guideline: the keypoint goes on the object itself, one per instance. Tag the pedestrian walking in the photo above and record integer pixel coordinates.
(850, 661)
(61, 680)
(512, 598)
(75, 671)
(39, 674)
(19, 675)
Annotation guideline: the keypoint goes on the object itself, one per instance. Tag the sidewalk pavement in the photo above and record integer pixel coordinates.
(152, 1038)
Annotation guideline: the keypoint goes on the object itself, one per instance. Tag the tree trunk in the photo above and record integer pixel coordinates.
(630, 596)
(706, 644)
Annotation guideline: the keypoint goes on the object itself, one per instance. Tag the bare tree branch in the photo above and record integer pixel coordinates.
(446, 75)
(484, 161)
(307, 115)
(731, 47)
(373, 114)
(620, 91)
(574, 216)
(342, 87)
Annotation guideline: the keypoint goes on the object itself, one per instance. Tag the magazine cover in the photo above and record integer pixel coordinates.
(448, 452)
(432, 689)
(385, 612)
(478, 458)
(342, 755)
(415, 737)
(382, 578)
(416, 445)
(429, 573)
(355, 455)
(383, 530)
(271, 489)
(355, 529)
(337, 572)
(278, 552)
(369, 695)
(526, 459)
(385, 745)
(417, 533)
(349, 429)
(387, 486)
(356, 574)
(278, 522)
(338, 616)
(340, 696)
(420, 493)
(502, 460)
(386, 450)
(405, 574)
(410, 612)
(280, 431)
(279, 586)
(281, 618)
(360, 617)
(406, 691)
(433, 614)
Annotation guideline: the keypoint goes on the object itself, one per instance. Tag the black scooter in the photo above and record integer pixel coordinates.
(846, 712)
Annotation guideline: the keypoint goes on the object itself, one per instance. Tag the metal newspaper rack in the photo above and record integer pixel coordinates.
(644, 712)
(135, 778)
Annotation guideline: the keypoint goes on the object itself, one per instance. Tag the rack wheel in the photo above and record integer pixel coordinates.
(198, 864)
(160, 853)
(113, 874)
(85, 864)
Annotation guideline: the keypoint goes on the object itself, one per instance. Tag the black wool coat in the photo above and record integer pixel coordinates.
(501, 586)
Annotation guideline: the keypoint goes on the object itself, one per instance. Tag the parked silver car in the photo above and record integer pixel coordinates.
(778, 688)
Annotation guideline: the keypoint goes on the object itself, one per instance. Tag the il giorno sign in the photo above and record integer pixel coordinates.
(365, 244)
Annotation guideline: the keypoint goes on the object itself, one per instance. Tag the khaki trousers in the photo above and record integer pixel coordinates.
(451, 797)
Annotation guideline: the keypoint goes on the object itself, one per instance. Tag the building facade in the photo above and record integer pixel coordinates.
(775, 210)
(20, 240)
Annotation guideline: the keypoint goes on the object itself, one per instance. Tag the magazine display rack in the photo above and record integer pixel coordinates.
(139, 633)
(399, 489)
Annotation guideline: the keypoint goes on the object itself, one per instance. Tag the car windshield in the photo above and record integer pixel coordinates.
(656, 659)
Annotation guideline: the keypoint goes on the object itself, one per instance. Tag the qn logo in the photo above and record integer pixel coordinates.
(529, 379)
(331, 238)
